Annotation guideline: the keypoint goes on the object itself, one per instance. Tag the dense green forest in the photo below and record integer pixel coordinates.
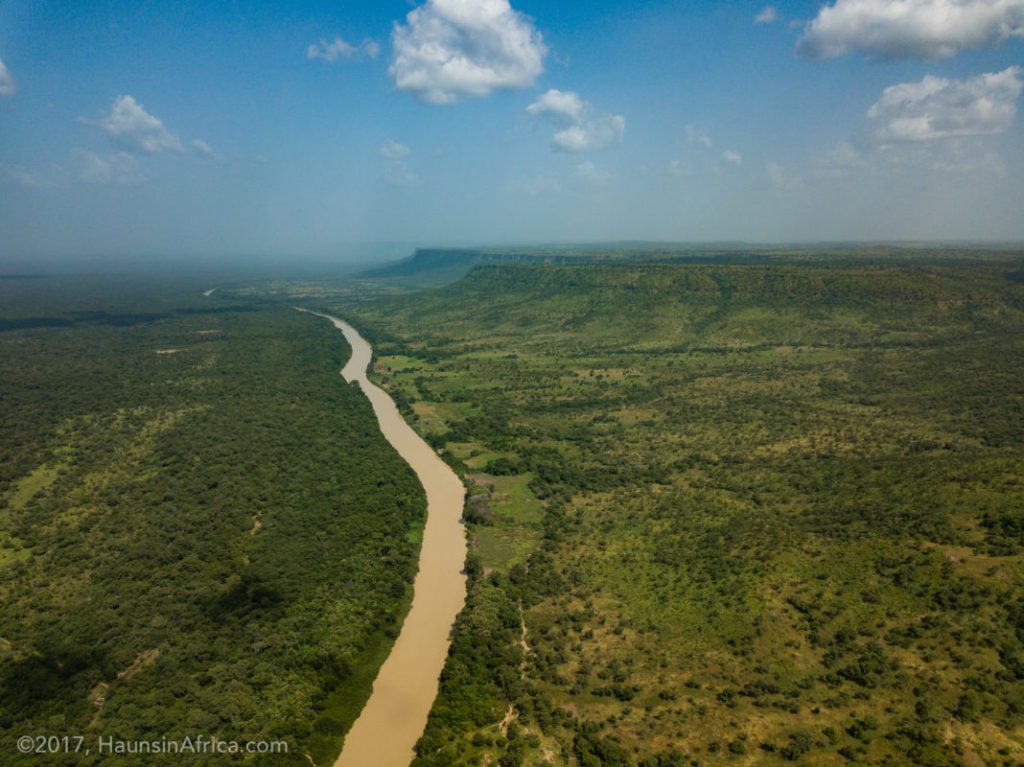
(202, 531)
(726, 513)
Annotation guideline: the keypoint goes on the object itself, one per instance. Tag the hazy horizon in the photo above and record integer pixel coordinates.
(351, 257)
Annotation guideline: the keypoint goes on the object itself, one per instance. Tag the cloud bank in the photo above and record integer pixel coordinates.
(937, 108)
(451, 49)
(580, 126)
(929, 29)
(936, 125)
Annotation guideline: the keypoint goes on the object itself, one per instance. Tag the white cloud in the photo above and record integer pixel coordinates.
(767, 15)
(133, 128)
(910, 28)
(958, 155)
(449, 49)
(937, 108)
(696, 136)
(592, 134)
(732, 156)
(119, 168)
(203, 149)
(580, 126)
(556, 102)
(7, 85)
(392, 150)
(397, 171)
(330, 51)
(935, 125)
(339, 49)
(587, 174)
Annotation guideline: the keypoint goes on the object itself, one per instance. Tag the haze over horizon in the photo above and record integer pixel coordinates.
(182, 128)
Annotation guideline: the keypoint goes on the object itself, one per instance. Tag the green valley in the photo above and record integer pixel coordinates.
(721, 510)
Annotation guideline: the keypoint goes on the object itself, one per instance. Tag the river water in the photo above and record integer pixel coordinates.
(394, 716)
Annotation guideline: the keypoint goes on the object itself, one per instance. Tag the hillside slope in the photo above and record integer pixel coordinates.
(728, 514)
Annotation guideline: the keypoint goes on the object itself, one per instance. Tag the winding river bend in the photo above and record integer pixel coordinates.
(396, 713)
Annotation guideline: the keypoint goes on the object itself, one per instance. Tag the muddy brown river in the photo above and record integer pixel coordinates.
(394, 716)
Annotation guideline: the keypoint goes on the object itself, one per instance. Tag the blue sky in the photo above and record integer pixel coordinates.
(295, 129)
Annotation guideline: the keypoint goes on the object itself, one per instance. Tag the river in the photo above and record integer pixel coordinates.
(394, 716)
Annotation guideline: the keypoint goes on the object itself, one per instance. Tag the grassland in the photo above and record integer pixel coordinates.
(202, 531)
(727, 514)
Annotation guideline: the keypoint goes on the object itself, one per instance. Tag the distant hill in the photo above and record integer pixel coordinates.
(440, 266)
